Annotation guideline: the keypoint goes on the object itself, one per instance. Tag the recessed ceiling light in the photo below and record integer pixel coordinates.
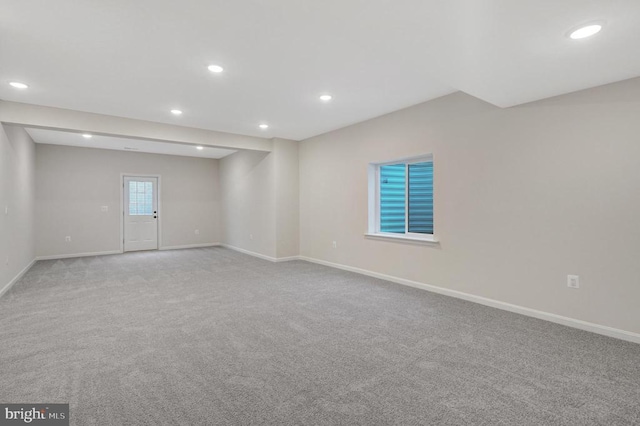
(200, 148)
(87, 136)
(326, 98)
(586, 31)
(176, 112)
(18, 85)
(264, 126)
(215, 68)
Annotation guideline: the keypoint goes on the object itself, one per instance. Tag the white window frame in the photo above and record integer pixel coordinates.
(373, 230)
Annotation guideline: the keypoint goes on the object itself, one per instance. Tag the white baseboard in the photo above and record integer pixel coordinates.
(69, 256)
(188, 246)
(105, 253)
(570, 322)
(286, 259)
(250, 253)
(17, 278)
(259, 255)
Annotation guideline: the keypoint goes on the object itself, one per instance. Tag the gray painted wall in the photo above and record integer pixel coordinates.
(524, 196)
(17, 193)
(260, 199)
(287, 197)
(247, 182)
(73, 183)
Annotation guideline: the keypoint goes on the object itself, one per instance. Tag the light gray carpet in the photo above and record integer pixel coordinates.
(211, 336)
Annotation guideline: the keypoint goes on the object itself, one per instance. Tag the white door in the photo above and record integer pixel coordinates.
(140, 213)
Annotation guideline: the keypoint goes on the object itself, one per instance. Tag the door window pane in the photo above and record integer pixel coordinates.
(140, 198)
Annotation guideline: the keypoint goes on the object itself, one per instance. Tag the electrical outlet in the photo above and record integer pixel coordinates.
(335, 244)
(6, 262)
(67, 239)
(251, 236)
(573, 281)
(6, 209)
(105, 208)
(197, 232)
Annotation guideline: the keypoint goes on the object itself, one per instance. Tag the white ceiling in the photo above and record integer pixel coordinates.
(55, 137)
(139, 59)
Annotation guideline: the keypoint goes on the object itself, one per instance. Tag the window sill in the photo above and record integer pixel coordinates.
(431, 240)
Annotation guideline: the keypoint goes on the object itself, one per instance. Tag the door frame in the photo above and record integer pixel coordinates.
(139, 175)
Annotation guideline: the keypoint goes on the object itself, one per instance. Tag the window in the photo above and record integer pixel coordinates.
(140, 198)
(401, 199)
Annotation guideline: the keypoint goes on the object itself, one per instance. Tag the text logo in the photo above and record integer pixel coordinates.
(34, 414)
